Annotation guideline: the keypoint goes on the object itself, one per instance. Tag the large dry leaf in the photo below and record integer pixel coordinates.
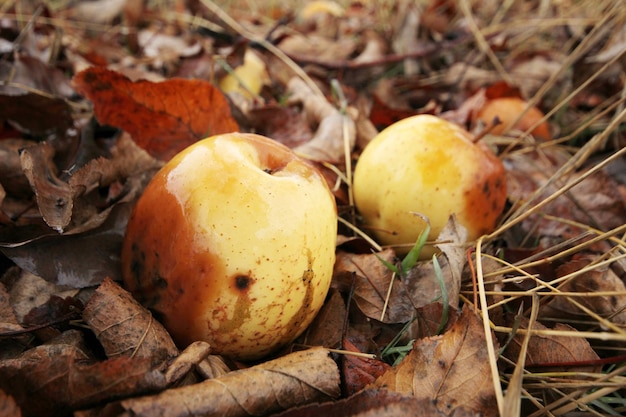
(296, 379)
(54, 379)
(451, 369)
(125, 328)
(165, 117)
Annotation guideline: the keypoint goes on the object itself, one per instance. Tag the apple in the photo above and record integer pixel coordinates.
(233, 243)
(426, 165)
(507, 110)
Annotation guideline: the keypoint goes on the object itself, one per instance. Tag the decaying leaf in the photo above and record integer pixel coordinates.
(167, 116)
(295, 379)
(125, 328)
(451, 370)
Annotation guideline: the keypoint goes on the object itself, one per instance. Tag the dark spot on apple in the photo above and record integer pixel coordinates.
(242, 282)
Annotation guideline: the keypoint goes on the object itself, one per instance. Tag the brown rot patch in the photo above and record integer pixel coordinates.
(242, 282)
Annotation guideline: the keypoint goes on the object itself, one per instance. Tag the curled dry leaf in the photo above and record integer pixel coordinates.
(167, 116)
(125, 328)
(292, 380)
(334, 128)
(188, 358)
(451, 370)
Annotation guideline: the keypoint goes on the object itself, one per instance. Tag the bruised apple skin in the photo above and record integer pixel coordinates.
(233, 243)
(424, 164)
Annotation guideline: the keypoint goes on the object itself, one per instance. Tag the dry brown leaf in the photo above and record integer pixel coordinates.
(359, 372)
(372, 280)
(327, 327)
(593, 201)
(8, 407)
(53, 195)
(296, 379)
(125, 328)
(452, 239)
(375, 403)
(188, 358)
(334, 128)
(451, 370)
(30, 291)
(54, 379)
(600, 280)
(550, 350)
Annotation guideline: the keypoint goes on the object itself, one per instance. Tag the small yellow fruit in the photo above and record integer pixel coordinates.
(247, 79)
(427, 165)
(507, 110)
(233, 243)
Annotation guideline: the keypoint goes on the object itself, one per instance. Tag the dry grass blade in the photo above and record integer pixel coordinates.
(513, 397)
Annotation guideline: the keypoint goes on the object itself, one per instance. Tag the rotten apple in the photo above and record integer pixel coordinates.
(426, 166)
(233, 243)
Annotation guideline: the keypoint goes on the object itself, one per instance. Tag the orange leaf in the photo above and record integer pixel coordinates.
(163, 118)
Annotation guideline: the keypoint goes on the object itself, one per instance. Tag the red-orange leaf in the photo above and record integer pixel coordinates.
(164, 117)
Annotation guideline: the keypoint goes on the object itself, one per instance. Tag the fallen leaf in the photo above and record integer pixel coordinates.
(8, 407)
(167, 116)
(32, 96)
(186, 361)
(327, 327)
(359, 372)
(295, 379)
(590, 285)
(452, 370)
(54, 379)
(335, 132)
(374, 403)
(550, 350)
(125, 328)
(61, 259)
(372, 281)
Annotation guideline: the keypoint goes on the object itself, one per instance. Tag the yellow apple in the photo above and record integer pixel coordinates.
(233, 243)
(424, 164)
